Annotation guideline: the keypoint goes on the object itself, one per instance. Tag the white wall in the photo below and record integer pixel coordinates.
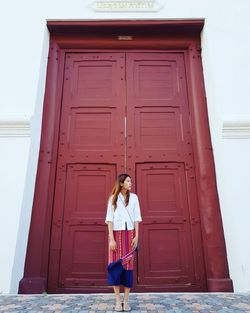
(225, 54)
(13, 165)
(226, 47)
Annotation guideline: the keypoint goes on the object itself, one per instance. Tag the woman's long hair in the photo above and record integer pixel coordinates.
(117, 188)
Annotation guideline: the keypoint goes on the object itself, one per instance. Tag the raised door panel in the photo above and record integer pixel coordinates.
(84, 239)
(166, 253)
(155, 77)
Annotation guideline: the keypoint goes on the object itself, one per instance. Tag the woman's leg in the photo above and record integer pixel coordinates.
(117, 294)
(126, 294)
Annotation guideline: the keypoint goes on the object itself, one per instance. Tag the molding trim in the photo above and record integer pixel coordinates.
(236, 130)
(15, 128)
(153, 28)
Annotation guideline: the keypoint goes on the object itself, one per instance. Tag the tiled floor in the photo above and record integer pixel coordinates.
(143, 303)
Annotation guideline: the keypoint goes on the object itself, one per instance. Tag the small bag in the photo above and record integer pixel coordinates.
(115, 269)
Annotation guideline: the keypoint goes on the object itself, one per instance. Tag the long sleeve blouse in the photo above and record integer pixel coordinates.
(124, 214)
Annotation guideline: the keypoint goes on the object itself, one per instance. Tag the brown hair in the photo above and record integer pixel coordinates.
(117, 188)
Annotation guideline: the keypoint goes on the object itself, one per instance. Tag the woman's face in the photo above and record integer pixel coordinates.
(127, 183)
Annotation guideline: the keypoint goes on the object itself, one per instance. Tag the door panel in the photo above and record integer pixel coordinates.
(93, 108)
(91, 153)
(158, 132)
(159, 151)
(166, 256)
(159, 123)
(84, 238)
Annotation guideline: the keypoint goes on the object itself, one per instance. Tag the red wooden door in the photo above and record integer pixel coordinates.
(159, 156)
(91, 153)
(102, 92)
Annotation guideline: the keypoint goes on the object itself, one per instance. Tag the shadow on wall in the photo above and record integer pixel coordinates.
(28, 193)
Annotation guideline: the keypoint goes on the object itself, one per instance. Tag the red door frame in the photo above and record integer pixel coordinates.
(174, 35)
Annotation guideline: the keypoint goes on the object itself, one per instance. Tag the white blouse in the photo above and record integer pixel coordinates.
(124, 214)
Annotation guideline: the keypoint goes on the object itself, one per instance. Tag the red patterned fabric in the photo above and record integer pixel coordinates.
(123, 240)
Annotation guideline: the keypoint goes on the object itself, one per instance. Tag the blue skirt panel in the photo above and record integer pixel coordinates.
(126, 279)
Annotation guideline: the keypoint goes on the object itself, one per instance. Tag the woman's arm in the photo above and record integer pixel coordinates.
(134, 242)
(112, 243)
(110, 229)
(136, 229)
(137, 220)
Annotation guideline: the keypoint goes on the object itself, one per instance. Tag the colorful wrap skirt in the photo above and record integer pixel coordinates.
(123, 239)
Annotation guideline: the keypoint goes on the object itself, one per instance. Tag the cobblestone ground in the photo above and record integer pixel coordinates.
(141, 303)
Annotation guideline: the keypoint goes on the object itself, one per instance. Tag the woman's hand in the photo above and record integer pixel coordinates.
(134, 242)
(112, 244)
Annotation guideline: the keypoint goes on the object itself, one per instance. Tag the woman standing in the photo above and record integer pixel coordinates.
(123, 217)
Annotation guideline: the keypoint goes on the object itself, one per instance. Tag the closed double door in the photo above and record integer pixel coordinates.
(125, 112)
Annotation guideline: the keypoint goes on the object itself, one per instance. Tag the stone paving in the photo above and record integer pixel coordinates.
(140, 302)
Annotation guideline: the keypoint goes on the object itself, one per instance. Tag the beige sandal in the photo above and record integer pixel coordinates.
(126, 307)
(118, 307)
